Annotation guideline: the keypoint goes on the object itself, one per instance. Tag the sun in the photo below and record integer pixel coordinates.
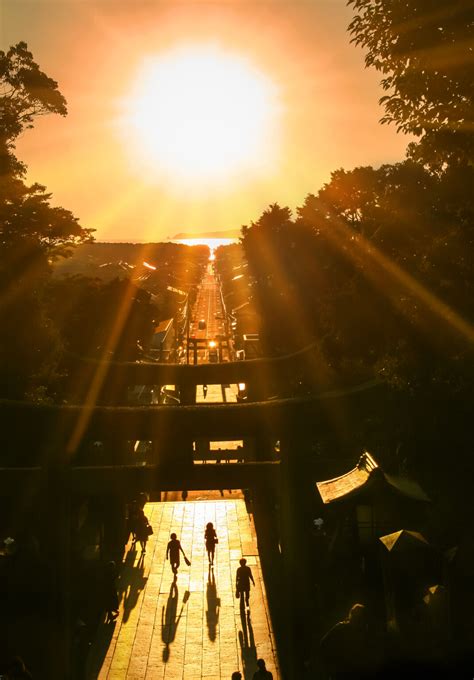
(199, 116)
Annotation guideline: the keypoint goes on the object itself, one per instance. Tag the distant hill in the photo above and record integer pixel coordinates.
(230, 233)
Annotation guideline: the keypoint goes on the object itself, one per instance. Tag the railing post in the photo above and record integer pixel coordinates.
(187, 393)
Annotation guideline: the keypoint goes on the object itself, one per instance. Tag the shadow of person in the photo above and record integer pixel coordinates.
(132, 582)
(93, 659)
(242, 607)
(126, 569)
(248, 650)
(213, 605)
(169, 620)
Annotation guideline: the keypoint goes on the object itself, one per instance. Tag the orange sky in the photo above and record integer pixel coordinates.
(93, 48)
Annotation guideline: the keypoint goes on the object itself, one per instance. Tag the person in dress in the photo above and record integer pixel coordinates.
(211, 539)
(142, 529)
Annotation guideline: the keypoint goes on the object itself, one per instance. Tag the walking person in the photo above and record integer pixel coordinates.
(262, 673)
(204, 391)
(211, 539)
(132, 520)
(242, 581)
(173, 553)
(142, 529)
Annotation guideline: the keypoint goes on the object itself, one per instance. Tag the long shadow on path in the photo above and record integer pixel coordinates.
(213, 605)
(131, 582)
(169, 620)
(99, 650)
(248, 649)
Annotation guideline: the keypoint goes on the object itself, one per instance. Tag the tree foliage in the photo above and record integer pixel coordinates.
(280, 257)
(424, 50)
(76, 303)
(32, 232)
(367, 266)
(25, 93)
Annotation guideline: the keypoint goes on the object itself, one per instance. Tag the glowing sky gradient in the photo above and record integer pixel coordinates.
(199, 118)
(95, 48)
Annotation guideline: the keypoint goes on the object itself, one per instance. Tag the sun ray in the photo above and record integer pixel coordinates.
(103, 366)
(390, 278)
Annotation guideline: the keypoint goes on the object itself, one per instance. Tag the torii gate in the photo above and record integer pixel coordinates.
(41, 459)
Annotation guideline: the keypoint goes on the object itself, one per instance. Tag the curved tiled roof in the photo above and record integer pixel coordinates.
(364, 475)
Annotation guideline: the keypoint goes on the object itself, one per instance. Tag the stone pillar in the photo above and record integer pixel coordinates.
(263, 447)
(187, 393)
(255, 391)
(295, 481)
(57, 544)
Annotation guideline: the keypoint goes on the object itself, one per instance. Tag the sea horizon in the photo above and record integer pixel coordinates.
(195, 241)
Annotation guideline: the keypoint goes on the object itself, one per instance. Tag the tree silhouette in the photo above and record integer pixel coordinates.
(423, 48)
(25, 92)
(33, 233)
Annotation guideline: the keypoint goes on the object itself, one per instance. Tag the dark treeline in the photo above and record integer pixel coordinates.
(375, 266)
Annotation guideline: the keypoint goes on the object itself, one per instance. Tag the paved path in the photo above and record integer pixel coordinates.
(193, 629)
(208, 307)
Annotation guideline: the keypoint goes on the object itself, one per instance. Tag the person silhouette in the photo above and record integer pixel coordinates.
(262, 673)
(172, 553)
(210, 537)
(242, 581)
(142, 530)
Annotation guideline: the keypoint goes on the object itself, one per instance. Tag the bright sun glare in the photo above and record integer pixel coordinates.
(197, 116)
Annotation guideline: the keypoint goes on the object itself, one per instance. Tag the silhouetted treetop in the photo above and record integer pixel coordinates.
(424, 49)
(355, 269)
(25, 92)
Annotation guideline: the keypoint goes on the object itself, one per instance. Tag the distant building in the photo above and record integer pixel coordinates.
(252, 346)
(163, 341)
